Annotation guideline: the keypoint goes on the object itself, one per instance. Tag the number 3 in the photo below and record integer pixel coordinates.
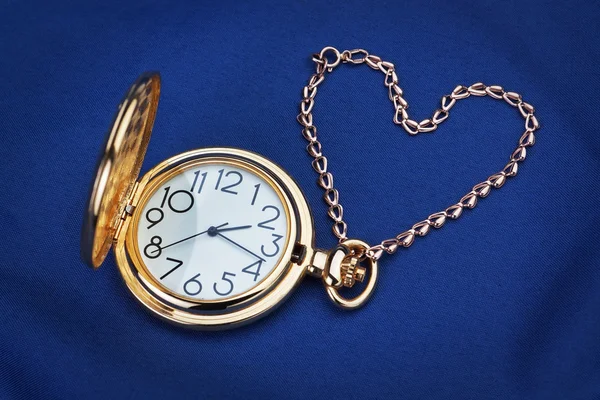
(274, 253)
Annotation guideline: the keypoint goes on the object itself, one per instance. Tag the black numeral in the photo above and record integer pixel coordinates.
(164, 200)
(274, 253)
(229, 284)
(158, 216)
(197, 173)
(257, 186)
(219, 180)
(169, 200)
(185, 194)
(227, 189)
(179, 264)
(153, 249)
(264, 223)
(256, 273)
(192, 286)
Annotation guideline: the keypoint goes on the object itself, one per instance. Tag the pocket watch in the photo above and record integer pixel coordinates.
(217, 237)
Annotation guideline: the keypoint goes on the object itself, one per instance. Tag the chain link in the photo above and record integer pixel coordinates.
(326, 61)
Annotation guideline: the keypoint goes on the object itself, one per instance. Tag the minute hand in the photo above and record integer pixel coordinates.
(190, 237)
(240, 246)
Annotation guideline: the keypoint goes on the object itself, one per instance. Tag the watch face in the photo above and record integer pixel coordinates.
(212, 230)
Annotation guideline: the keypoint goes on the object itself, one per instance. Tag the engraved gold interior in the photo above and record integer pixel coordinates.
(119, 166)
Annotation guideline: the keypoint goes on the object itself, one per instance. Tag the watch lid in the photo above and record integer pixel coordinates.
(118, 167)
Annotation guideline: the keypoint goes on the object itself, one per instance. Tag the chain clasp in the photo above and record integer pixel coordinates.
(323, 61)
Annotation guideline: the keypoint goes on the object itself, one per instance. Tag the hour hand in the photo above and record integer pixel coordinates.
(215, 230)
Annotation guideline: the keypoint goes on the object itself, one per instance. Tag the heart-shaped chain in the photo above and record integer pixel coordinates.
(436, 220)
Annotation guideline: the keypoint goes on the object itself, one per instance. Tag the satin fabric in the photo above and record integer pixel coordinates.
(500, 304)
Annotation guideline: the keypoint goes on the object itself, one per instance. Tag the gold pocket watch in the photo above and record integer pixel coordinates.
(211, 238)
(217, 237)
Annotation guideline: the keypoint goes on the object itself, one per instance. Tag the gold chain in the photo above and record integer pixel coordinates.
(436, 220)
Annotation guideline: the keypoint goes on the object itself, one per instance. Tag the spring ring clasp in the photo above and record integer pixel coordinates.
(321, 58)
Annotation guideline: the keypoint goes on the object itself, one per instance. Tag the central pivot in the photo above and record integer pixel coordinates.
(212, 231)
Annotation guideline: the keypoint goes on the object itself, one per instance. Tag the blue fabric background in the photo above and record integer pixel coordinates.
(501, 304)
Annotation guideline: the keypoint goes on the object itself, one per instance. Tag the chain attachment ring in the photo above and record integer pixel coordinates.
(350, 262)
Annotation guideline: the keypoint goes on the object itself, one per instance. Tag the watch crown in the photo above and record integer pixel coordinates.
(352, 271)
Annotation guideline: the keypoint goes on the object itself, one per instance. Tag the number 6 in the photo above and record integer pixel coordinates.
(193, 281)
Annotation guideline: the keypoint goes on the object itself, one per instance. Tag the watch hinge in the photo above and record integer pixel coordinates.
(119, 226)
(127, 211)
(130, 206)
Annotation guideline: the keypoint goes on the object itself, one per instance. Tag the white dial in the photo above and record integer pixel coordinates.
(213, 231)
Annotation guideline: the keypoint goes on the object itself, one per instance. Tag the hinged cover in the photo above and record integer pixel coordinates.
(119, 167)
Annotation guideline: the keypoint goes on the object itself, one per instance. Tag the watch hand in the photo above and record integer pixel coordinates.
(235, 228)
(240, 246)
(189, 237)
